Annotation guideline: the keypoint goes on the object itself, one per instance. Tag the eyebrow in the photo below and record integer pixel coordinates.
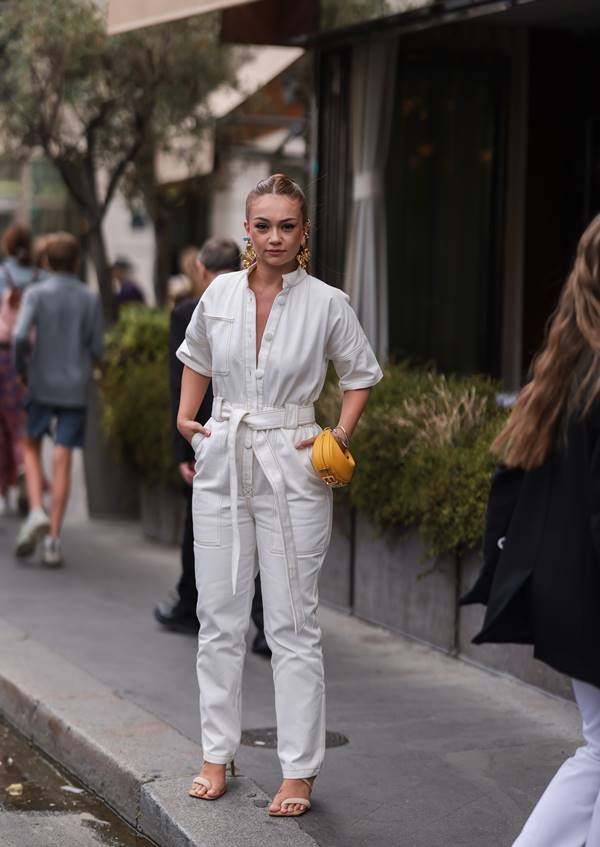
(267, 220)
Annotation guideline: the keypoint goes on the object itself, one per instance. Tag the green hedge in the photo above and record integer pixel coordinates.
(135, 391)
(423, 457)
(422, 445)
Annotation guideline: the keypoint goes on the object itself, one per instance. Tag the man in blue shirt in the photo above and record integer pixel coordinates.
(64, 319)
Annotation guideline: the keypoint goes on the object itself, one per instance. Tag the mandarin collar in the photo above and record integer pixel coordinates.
(289, 280)
(293, 278)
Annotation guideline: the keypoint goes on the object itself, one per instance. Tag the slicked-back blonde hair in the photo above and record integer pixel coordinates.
(565, 374)
(279, 184)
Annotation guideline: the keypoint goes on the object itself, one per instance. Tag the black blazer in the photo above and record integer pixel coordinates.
(541, 574)
(180, 318)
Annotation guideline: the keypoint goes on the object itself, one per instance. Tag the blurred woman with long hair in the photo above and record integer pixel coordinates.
(16, 273)
(541, 575)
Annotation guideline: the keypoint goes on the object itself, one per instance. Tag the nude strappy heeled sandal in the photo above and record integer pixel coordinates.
(290, 801)
(206, 783)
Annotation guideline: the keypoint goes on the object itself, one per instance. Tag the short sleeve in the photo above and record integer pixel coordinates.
(194, 351)
(26, 317)
(348, 347)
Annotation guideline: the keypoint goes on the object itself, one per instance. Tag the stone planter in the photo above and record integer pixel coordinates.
(162, 512)
(336, 580)
(112, 490)
(384, 577)
(395, 585)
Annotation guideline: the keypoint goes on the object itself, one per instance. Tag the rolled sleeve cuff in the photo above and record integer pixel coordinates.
(356, 382)
(195, 362)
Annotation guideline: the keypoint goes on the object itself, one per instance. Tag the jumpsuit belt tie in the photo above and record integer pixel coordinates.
(290, 416)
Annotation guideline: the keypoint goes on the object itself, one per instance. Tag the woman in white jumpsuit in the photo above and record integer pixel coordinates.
(265, 336)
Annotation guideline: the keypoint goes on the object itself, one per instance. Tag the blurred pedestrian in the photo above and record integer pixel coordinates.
(67, 321)
(185, 284)
(266, 335)
(541, 574)
(16, 273)
(125, 288)
(17, 270)
(217, 256)
(38, 256)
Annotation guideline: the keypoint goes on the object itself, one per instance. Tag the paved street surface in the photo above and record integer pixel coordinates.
(41, 806)
(439, 755)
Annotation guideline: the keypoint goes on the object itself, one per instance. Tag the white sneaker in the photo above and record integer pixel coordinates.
(52, 555)
(34, 528)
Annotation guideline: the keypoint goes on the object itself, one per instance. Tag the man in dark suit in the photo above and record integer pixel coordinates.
(217, 256)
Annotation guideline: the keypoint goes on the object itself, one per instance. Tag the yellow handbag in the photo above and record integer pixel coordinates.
(334, 465)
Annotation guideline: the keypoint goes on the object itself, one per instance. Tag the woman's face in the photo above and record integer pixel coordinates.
(276, 229)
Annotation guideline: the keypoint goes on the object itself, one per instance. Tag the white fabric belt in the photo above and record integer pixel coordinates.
(289, 416)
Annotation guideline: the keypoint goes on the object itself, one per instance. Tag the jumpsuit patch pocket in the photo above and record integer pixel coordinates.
(311, 524)
(219, 330)
(206, 511)
(197, 439)
(198, 443)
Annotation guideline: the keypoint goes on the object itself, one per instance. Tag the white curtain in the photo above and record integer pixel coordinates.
(371, 111)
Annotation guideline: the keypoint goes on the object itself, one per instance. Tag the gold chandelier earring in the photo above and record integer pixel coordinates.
(249, 255)
(303, 254)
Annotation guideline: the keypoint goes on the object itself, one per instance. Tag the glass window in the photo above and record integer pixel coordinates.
(443, 172)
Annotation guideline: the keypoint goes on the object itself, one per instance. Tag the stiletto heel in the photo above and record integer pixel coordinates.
(206, 783)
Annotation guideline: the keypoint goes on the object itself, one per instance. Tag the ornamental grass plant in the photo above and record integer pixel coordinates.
(135, 393)
(423, 454)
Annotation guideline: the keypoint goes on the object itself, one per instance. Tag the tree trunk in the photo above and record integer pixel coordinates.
(162, 256)
(97, 250)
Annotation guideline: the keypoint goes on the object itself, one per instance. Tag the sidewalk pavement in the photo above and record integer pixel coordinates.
(440, 754)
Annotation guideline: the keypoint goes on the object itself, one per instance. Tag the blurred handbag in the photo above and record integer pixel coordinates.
(333, 464)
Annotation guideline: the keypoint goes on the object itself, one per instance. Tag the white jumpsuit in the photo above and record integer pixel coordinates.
(279, 506)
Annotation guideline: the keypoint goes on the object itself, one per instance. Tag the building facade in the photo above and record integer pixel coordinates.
(485, 172)
(454, 159)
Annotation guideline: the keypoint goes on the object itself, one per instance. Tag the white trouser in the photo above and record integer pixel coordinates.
(568, 813)
(224, 613)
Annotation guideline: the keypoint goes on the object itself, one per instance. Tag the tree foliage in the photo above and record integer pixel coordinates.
(97, 104)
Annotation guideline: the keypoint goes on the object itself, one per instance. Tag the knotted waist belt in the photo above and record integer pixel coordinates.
(290, 416)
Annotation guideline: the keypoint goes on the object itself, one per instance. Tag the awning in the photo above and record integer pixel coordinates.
(186, 158)
(124, 15)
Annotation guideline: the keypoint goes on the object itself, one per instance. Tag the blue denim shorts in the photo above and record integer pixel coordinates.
(65, 425)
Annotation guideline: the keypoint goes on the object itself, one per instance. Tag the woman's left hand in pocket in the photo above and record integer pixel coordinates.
(308, 442)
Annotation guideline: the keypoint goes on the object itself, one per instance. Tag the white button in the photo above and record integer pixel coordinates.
(259, 374)
(281, 299)
(260, 439)
(248, 443)
(269, 336)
